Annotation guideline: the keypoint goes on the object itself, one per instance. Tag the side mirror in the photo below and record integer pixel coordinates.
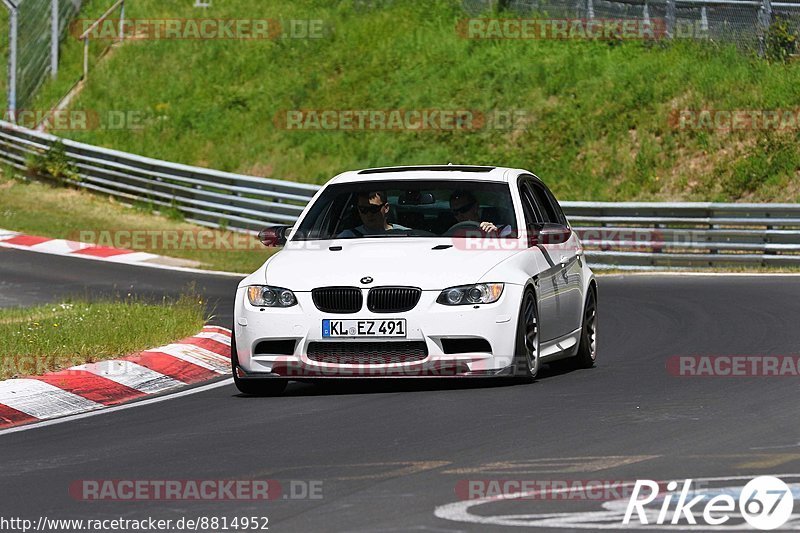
(548, 233)
(274, 235)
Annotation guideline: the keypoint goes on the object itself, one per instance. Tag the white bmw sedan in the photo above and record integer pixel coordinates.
(426, 271)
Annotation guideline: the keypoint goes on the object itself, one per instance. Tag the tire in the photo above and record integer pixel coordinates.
(587, 351)
(526, 348)
(261, 387)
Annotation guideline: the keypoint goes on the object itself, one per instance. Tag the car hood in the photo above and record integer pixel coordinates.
(302, 266)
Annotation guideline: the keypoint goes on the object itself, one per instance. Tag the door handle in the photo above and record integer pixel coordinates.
(564, 271)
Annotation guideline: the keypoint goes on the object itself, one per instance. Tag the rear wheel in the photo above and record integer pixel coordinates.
(526, 351)
(261, 387)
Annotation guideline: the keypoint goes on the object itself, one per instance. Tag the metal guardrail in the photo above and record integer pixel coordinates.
(208, 197)
(646, 235)
(636, 235)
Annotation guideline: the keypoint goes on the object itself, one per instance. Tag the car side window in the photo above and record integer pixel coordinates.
(543, 202)
(561, 217)
(528, 203)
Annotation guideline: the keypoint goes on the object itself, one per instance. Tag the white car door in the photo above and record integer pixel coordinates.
(569, 257)
(547, 281)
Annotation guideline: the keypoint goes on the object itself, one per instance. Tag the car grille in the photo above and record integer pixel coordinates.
(393, 299)
(367, 353)
(338, 299)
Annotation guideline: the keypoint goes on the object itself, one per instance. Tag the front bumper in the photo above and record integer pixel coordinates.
(428, 322)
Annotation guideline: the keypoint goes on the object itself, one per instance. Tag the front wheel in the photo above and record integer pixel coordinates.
(261, 387)
(526, 351)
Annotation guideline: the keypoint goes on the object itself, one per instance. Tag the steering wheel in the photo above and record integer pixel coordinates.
(466, 224)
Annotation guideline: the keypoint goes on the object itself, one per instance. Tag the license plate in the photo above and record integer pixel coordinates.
(364, 328)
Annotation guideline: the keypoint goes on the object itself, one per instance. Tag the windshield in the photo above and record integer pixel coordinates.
(389, 209)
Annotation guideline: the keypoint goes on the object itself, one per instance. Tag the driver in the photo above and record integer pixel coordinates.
(373, 208)
(464, 206)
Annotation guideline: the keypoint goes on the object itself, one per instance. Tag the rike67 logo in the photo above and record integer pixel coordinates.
(764, 503)
(699, 504)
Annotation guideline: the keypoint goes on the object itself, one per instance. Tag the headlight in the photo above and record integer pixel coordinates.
(482, 293)
(265, 296)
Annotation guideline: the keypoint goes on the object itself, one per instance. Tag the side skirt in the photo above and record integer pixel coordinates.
(560, 348)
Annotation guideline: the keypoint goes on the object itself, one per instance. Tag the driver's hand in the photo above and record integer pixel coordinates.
(488, 227)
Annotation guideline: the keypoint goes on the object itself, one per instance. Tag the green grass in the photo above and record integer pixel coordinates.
(56, 336)
(597, 124)
(41, 209)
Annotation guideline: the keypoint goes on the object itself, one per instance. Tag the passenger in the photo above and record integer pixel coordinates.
(373, 208)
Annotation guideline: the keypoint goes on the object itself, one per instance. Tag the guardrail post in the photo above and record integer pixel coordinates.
(85, 57)
(765, 21)
(767, 6)
(122, 21)
(710, 214)
(703, 19)
(670, 18)
(12, 61)
(54, 38)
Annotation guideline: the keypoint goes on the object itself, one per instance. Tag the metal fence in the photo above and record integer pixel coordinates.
(616, 235)
(35, 30)
(116, 7)
(743, 22)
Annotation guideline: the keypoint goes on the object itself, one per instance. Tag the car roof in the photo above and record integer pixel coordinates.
(429, 172)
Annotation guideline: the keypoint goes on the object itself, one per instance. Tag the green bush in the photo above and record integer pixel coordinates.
(781, 40)
(53, 163)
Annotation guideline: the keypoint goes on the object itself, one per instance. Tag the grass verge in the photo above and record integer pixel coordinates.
(50, 337)
(63, 213)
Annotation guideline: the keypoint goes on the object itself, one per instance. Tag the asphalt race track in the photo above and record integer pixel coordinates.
(30, 278)
(384, 456)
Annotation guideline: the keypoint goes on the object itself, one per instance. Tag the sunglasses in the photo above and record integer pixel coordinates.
(463, 209)
(370, 209)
